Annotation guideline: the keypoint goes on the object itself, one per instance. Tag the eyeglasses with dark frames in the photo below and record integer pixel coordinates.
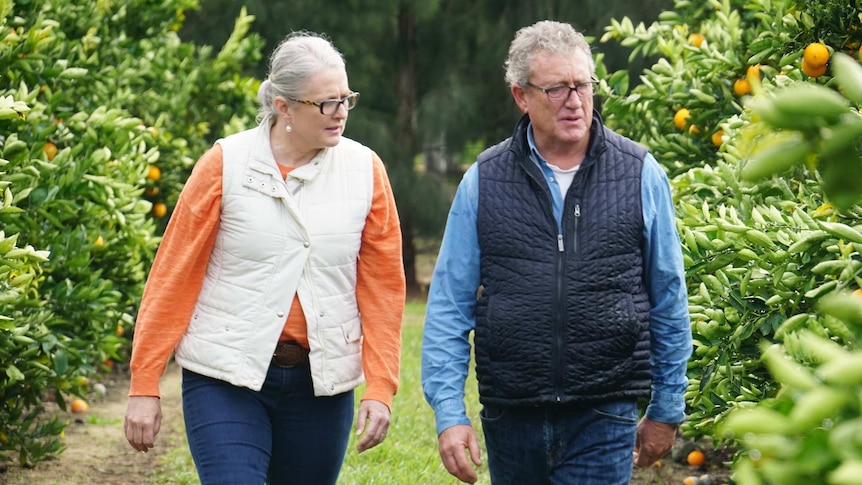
(330, 106)
(558, 94)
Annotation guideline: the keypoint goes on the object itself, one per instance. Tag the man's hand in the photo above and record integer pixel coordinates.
(654, 439)
(451, 444)
(373, 421)
(143, 421)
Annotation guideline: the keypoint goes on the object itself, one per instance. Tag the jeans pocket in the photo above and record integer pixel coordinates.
(624, 411)
(490, 414)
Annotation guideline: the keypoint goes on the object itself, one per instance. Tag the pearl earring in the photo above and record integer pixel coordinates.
(288, 128)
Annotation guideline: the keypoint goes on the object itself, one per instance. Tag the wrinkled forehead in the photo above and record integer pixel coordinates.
(326, 82)
(561, 66)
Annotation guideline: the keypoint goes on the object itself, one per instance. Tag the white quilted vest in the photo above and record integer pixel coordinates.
(278, 238)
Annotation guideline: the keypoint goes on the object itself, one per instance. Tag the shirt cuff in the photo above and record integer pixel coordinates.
(451, 412)
(144, 383)
(378, 395)
(666, 408)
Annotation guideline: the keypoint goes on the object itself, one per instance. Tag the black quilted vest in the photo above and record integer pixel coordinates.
(566, 326)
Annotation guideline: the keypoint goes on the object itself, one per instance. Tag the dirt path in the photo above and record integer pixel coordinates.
(96, 448)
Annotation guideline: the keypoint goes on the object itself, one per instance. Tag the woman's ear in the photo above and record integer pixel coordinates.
(281, 105)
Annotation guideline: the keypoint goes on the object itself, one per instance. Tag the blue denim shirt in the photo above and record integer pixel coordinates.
(449, 317)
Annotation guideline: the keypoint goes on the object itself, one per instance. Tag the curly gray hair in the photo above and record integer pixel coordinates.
(547, 36)
(296, 58)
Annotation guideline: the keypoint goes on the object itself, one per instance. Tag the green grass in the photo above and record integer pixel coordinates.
(101, 421)
(409, 454)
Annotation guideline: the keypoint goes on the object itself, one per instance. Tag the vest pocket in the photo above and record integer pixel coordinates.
(342, 346)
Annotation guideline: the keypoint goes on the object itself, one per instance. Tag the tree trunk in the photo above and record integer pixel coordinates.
(405, 91)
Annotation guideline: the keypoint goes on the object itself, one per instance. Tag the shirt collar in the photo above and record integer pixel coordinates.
(535, 156)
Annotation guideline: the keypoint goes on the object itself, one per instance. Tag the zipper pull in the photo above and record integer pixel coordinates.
(577, 210)
(560, 242)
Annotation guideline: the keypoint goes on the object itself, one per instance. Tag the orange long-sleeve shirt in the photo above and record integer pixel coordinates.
(180, 265)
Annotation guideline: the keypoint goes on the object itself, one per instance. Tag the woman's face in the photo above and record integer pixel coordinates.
(310, 128)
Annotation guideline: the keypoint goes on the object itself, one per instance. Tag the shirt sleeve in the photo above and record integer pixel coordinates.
(177, 274)
(449, 316)
(670, 326)
(381, 291)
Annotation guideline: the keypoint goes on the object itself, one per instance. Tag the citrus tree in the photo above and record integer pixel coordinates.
(103, 110)
(809, 431)
(756, 253)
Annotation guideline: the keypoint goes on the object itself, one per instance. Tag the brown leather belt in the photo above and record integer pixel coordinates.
(290, 354)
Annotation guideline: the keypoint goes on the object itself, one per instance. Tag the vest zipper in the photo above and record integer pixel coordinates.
(560, 312)
(559, 319)
(575, 230)
(559, 304)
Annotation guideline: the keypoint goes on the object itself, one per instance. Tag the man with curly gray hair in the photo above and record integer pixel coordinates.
(561, 256)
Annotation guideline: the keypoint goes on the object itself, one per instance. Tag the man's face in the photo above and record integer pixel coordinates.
(563, 123)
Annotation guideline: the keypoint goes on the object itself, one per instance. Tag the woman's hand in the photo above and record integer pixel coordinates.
(143, 421)
(372, 423)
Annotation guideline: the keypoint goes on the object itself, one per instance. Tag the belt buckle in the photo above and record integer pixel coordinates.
(289, 354)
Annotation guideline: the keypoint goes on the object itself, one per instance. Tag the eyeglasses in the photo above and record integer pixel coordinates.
(557, 94)
(330, 106)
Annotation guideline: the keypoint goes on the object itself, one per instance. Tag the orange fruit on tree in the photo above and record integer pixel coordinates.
(813, 71)
(696, 458)
(693, 130)
(753, 71)
(717, 138)
(690, 481)
(741, 87)
(120, 331)
(151, 191)
(696, 39)
(50, 150)
(79, 406)
(815, 55)
(154, 173)
(160, 209)
(680, 119)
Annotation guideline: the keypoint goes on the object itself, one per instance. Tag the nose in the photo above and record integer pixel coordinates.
(574, 100)
(341, 110)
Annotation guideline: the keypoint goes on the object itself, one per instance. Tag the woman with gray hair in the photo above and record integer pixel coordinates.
(279, 287)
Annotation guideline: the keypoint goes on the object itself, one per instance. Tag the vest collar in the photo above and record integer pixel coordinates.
(262, 159)
(521, 146)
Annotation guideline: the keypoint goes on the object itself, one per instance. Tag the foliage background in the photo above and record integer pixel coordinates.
(95, 94)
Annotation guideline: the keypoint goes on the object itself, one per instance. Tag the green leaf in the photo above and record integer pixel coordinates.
(61, 363)
(14, 374)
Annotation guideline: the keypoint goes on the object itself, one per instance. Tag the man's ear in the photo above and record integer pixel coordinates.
(520, 96)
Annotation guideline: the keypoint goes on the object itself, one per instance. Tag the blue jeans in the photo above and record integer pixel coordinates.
(279, 435)
(585, 445)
